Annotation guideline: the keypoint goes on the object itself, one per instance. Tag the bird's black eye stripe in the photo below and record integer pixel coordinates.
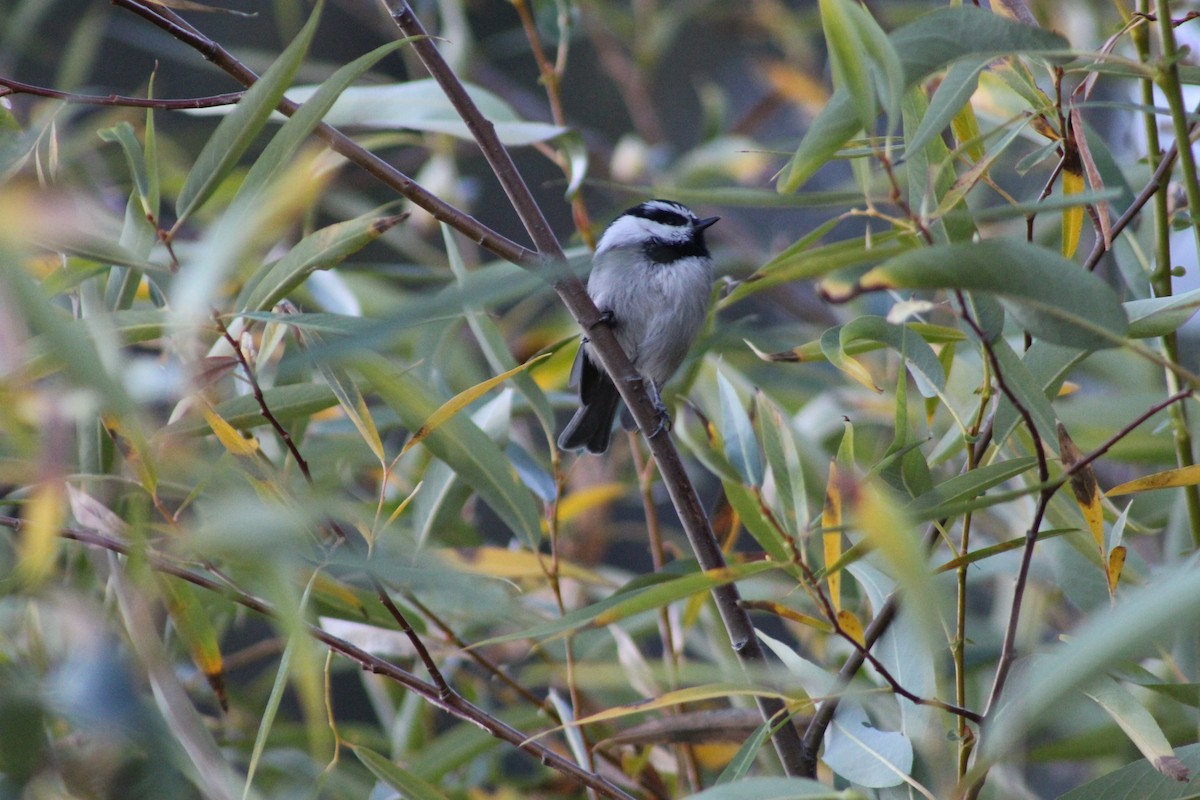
(662, 252)
(659, 214)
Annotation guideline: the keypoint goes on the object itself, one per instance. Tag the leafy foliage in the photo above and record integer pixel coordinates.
(285, 515)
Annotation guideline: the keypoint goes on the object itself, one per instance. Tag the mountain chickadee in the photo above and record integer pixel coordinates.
(651, 279)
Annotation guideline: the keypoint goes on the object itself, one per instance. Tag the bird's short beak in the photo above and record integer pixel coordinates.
(704, 223)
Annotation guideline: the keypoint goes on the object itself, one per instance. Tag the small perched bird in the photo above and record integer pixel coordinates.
(651, 280)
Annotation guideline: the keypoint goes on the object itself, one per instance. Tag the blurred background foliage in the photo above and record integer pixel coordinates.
(219, 340)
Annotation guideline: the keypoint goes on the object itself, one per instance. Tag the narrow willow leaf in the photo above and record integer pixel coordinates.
(747, 501)
(1145, 620)
(952, 95)
(493, 343)
(968, 485)
(864, 754)
(1168, 479)
(44, 514)
(1072, 216)
(918, 356)
(1083, 486)
(741, 448)
(135, 158)
(1159, 316)
(850, 70)
(1049, 296)
(1133, 779)
(802, 262)
(464, 399)
(831, 522)
(227, 435)
(739, 766)
(660, 593)
(783, 456)
(239, 128)
(287, 403)
(409, 785)
(585, 500)
(1139, 725)
(278, 154)
(421, 105)
(461, 444)
(322, 249)
(835, 354)
(1114, 567)
(195, 629)
(353, 404)
(691, 694)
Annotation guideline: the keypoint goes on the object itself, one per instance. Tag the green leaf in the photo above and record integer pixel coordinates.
(461, 444)
(741, 448)
(748, 503)
(1028, 391)
(408, 784)
(239, 128)
(923, 46)
(322, 249)
(1043, 365)
(1142, 781)
(783, 456)
(277, 155)
(863, 754)
(123, 135)
(287, 403)
(662, 591)
(1159, 316)
(968, 485)
(1051, 297)
(799, 262)
(918, 356)
(851, 71)
(1137, 722)
(952, 94)
(421, 105)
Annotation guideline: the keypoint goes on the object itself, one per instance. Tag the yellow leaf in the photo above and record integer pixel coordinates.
(44, 516)
(499, 562)
(228, 435)
(781, 610)
(831, 517)
(462, 400)
(196, 631)
(850, 625)
(1170, 479)
(1116, 562)
(1072, 218)
(585, 500)
(966, 129)
(692, 694)
(1083, 486)
(403, 505)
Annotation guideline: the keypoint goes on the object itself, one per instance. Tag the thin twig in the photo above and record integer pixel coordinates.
(122, 101)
